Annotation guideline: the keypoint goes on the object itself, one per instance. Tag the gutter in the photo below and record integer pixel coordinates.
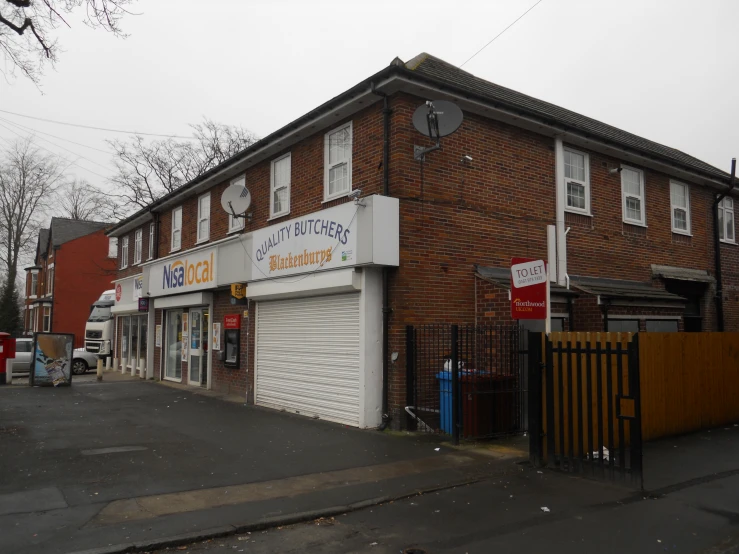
(719, 297)
(386, 112)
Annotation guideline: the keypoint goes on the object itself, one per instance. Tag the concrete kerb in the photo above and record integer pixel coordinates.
(267, 523)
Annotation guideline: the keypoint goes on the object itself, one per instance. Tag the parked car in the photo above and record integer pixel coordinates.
(81, 361)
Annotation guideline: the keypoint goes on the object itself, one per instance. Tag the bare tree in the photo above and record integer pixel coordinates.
(148, 170)
(27, 180)
(27, 29)
(78, 199)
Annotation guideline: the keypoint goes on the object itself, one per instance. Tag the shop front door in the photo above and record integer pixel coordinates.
(196, 347)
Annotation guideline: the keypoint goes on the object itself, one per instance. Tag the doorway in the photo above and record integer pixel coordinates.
(173, 366)
(195, 363)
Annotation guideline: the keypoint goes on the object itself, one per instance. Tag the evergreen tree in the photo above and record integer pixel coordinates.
(10, 316)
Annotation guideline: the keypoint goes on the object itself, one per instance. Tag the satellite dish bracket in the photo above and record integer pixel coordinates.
(245, 216)
(432, 120)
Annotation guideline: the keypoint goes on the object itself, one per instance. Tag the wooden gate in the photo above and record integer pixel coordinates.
(585, 416)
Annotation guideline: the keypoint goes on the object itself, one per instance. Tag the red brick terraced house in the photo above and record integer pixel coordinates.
(349, 238)
(72, 267)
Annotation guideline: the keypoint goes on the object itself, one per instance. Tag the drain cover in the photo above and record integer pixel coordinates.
(414, 551)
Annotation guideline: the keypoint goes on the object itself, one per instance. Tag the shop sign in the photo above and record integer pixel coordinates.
(118, 292)
(528, 289)
(189, 272)
(238, 290)
(322, 240)
(232, 321)
(138, 287)
(143, 304)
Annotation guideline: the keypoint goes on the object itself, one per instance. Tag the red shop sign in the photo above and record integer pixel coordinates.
(232, 321)
(528, 288)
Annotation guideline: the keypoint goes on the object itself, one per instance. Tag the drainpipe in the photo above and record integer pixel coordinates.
(560, 203)
(571, 314)
(386, 111)
(719, 298)
(606, 303)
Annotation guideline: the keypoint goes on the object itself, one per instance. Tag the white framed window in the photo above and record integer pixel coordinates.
(47, 319)
(137, 244)
(112, 247)
(279, 199)
(726, 220)
(236, 223)
(176, 229)
(34, 284)
(632, 191)
(338, 162)
(151, 241)
(124, 253)
(577, 181)
(50, 281)
(680, 205)
(204, 218)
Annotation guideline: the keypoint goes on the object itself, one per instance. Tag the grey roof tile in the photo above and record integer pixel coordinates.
(63, 230)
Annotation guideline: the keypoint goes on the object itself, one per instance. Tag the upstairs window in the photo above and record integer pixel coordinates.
(726, 220)
(34, 284)
(338, 162)
(124, 253)
(50, 282)
(203, 218)
(176, 229)
(577, 181)
(137, 246)
(236, 223)
(680, 203)
(632, 189)
(113, 247)
(151, 241)
(280, 186)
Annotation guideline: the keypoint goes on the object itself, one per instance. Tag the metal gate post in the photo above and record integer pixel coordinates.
(410, 374)
(637, 469)
(535, 399)
(455, 384)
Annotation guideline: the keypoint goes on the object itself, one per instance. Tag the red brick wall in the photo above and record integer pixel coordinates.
(82, 271)
(730, 277)
(228, 380)
(131, 268)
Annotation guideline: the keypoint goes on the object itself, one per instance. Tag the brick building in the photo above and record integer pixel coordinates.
(332, 281)
(72, 267)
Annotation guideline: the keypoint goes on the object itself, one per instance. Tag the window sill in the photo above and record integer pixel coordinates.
(172, 379)
(278, 216)
(232, 231)
(578, 212)
(202, 241)
(724, 241)
(682, 233)
(635, 223)
(173, 250)
(336, 197)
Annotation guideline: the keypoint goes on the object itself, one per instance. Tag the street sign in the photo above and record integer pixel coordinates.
(528, 289)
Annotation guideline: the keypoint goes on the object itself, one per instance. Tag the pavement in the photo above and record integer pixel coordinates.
(528, 510)
(130, 464)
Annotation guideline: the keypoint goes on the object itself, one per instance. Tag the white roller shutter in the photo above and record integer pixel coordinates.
(308, 356)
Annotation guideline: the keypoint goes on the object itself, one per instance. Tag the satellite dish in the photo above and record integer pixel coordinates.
(236, 199)
(437, 119)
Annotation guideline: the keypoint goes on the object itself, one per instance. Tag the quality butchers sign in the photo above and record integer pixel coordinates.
(528, 289)
(321, 240)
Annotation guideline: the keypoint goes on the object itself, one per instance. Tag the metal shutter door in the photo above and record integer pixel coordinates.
(308, 356)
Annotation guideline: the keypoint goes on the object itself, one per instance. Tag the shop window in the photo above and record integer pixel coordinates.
(662, 325)
(338, 162)
(623, 325)
(124, 253)
(577, 181)
(176, 229)
(632, 189)
(138, 239)
(680, 201)
(280, 186)
(203, 218)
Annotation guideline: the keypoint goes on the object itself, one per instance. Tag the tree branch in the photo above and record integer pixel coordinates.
(20, 30)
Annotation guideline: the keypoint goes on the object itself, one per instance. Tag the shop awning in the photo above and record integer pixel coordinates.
(628, 291)
(502, 276)
(682, 274)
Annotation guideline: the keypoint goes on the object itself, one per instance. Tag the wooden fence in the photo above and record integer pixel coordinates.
(689, 381)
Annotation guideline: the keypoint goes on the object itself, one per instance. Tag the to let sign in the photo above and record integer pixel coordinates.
(528, 289)
(232, 321)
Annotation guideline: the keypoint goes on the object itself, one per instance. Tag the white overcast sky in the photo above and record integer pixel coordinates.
(664, 69)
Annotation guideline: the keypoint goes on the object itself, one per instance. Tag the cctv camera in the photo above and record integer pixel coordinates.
(466, 158)
(355, 193)
(615, 170)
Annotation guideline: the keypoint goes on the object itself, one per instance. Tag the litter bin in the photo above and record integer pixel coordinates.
(7, 352)
(445, 401)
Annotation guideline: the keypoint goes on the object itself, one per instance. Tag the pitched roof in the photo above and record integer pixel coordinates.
(63, 229)
(444, 72)
(43, 241)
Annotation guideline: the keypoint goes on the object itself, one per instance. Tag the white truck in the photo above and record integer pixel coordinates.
(99, 326)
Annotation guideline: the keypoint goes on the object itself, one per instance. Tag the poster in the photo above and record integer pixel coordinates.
(158, 336)
(51, 363)
(185, 330)
(216, 336)
(184, 347)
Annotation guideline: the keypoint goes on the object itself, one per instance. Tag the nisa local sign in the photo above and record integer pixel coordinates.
(191, 271)
(321, 240)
